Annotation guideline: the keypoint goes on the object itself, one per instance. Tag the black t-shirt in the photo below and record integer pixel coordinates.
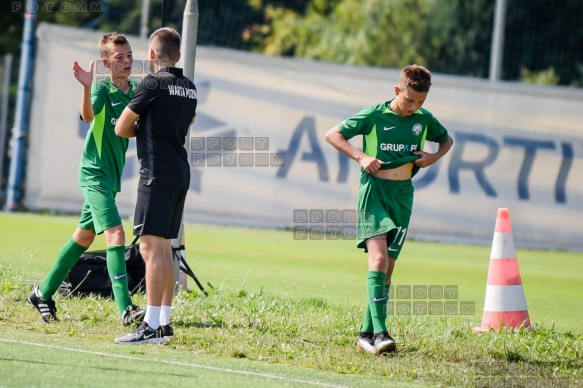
(166, 102)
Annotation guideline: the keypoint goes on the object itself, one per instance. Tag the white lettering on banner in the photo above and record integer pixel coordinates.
(516, 146)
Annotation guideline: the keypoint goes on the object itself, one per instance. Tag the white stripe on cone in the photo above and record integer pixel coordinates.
(503, 246)
(504, 298)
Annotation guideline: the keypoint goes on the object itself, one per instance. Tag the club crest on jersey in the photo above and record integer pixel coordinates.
(417, 128)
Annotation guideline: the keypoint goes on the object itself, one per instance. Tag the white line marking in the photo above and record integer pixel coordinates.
(215, 368)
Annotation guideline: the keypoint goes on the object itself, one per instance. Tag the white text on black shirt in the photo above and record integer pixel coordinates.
(176, 90)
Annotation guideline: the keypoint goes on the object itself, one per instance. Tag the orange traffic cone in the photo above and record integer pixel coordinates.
(505, 304)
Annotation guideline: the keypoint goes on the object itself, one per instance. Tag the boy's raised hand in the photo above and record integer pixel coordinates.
(82, 75)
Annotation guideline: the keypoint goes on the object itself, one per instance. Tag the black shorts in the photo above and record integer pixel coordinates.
(159, 211)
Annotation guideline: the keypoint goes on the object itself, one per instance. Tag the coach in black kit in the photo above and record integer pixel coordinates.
(159, 115)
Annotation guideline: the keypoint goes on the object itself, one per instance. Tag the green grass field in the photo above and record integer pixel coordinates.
(284, 312)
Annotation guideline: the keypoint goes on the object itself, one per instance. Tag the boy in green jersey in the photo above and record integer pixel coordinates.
(394, 133)
(99, 179)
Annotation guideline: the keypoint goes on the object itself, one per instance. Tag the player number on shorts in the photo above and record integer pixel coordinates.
(400, 231)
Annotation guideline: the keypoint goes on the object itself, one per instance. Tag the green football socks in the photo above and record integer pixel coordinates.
(367, 325)
(116, 267)
(378, 296)
(66, 259)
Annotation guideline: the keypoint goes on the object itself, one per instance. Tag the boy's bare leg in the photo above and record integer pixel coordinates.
(84, 237)
(115, 236)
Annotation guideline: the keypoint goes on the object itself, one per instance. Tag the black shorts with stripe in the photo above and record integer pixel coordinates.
(159, 211)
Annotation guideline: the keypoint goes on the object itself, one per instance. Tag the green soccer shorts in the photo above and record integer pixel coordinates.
(99, 211)
(384, 206)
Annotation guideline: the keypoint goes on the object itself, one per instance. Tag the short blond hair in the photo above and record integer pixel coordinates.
(105, 43)
(415, 77)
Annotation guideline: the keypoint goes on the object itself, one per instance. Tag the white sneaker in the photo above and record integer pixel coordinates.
(366, 343)
(384, 343)
(143, 334)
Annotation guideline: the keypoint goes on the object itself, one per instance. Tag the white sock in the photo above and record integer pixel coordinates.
(164, 315)
(152, 316)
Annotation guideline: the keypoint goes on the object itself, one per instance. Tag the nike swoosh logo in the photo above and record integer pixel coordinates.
(137, 226)
(149, 336)
(392, 250)
(117, 277)
(389, 128)
(380, 299)
(115, 103)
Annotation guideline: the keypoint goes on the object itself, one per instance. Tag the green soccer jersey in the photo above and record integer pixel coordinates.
(390, 137)
(104, 153)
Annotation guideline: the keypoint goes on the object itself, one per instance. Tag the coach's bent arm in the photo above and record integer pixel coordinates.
(125, 126)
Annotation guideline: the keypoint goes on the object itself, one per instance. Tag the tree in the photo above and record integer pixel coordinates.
(459, 37)
(448, 36)
(77, 14)
(445, 35)
(11, 23)
(331, 31)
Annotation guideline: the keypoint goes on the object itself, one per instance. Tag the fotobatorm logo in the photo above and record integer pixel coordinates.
(63, 7)
(428, 300)
(231, 151)
(324, 224)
